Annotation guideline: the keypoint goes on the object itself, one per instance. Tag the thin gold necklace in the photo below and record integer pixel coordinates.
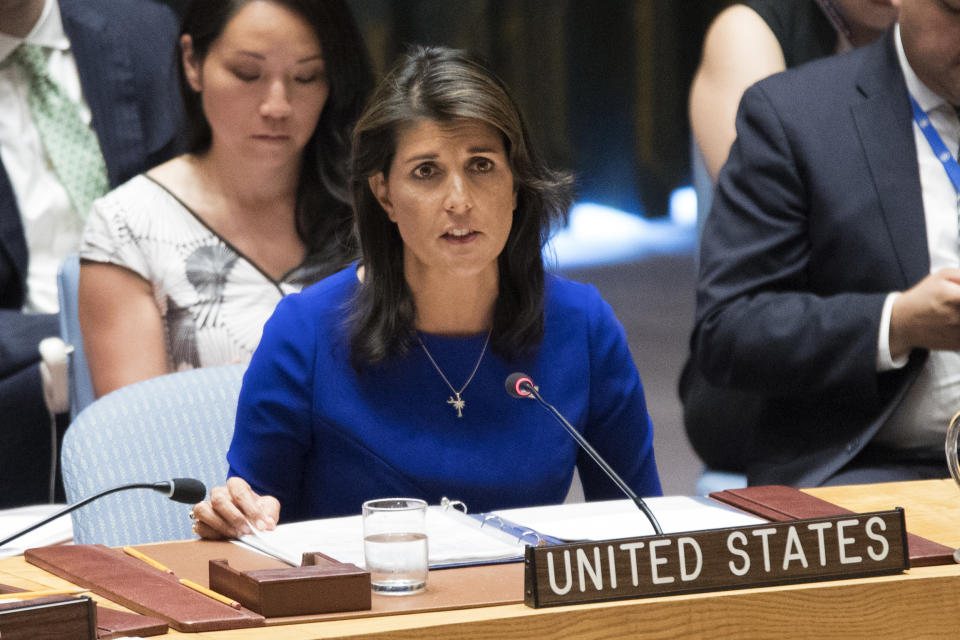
(456, 401)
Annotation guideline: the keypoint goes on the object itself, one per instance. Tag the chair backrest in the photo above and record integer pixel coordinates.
(80, 387)
(177, 425)
(702, 184)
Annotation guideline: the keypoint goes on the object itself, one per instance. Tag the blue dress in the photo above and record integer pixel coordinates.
(322, 438)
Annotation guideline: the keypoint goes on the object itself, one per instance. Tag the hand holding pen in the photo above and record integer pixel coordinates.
(234, 510)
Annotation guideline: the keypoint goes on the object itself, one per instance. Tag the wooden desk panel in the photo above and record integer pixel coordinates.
(932, 506)
(920, 603)
(924, 602)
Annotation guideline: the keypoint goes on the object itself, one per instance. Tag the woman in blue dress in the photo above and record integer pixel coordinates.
(387, 378)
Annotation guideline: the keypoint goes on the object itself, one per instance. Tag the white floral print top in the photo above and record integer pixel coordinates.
(213, 299)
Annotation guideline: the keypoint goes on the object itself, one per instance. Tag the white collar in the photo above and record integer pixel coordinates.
(925, 96)
(48, 32)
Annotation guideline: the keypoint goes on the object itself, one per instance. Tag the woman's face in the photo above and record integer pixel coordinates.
(262, 82)
(451, 194)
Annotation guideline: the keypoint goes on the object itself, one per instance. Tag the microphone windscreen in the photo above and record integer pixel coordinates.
(513, 382)
(187, 490)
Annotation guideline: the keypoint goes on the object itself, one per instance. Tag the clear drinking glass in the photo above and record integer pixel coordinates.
(395, 545)
(953, 463)
(953, 435)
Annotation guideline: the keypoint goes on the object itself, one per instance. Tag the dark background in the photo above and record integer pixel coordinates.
(603, 83)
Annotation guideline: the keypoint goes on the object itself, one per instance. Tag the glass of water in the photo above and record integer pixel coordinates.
(952, 447)
(395, 545)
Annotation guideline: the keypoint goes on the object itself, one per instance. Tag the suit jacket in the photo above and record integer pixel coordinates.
(124, 51)
(817, 216)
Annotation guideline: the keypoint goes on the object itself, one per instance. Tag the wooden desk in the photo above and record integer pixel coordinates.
(923, 602)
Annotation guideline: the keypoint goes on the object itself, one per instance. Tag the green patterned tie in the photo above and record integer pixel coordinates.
(70, 144)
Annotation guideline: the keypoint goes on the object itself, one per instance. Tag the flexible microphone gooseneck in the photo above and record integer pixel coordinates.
(520, 385)
(186, 490)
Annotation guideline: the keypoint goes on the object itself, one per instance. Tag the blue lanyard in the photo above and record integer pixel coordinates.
(936, 143)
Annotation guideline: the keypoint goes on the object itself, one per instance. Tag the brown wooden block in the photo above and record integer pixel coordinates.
(50, 617)
(113, 623)
(322, 585)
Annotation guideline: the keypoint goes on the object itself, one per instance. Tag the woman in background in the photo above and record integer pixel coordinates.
(388, 377)
(753, 39)
(181, 266)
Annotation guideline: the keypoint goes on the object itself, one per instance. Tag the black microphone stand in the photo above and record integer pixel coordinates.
(163, 487)
(527, 386)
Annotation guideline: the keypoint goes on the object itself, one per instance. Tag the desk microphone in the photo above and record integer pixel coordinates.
(519, 385)
(186, 490)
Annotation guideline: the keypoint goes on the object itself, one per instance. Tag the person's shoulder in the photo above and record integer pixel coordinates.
(151, 27)
(330, 293)
(568, 298)
(819, 80)
(319, 309)
(575, 311)
(141, 38)
(779, 15)
(134, 9)
(132, 198)
(738, 16)
(739, 41)
(138, 212)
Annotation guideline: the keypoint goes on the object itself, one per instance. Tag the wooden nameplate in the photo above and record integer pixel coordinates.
(110, 623)
(321, 585)
(834, 548)
(60, 618)
(138, 586)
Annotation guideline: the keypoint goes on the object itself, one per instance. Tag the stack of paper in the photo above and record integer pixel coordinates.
(13, 520)
(454, 538)
(451, 539)
(612, 519)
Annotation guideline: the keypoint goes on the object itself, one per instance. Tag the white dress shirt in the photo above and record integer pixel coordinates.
(921, 419)
(51, 224)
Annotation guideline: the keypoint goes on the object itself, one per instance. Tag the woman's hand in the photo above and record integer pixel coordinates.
(233, 510)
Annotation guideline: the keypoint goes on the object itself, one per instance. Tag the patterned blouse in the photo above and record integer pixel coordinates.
(213, 299)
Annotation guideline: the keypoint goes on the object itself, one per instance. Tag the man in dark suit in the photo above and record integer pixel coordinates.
(828, 284)
(120, 55)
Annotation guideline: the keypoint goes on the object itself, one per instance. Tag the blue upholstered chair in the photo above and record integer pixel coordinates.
(80, 388)
(177, 425)
(63, 365)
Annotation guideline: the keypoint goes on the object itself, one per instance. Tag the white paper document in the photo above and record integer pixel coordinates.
(454, 538)
(611, 519)
(13, 520)
(451, 539)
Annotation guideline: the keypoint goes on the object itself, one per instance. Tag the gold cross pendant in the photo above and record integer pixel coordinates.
(457, 404)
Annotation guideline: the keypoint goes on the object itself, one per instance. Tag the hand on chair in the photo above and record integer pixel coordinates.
(232, 510)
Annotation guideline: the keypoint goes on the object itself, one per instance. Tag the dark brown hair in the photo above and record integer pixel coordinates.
(445, 85)
(323, 213)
